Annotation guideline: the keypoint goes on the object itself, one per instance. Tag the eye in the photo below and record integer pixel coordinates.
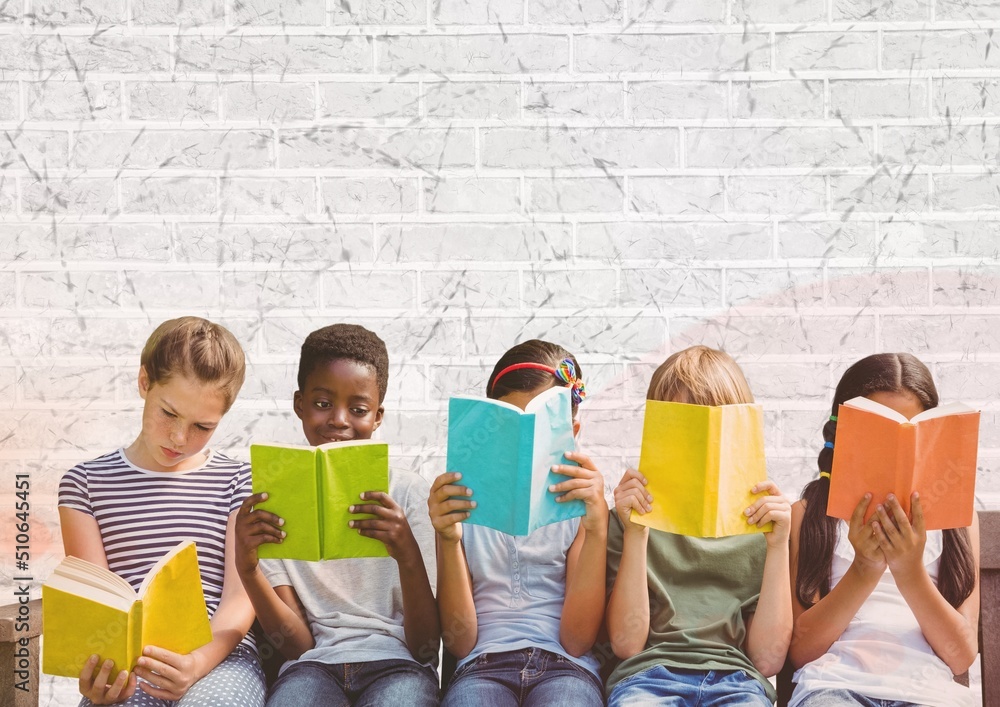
(322, 404)
(204, 428)
(168, 413)
(361, 412)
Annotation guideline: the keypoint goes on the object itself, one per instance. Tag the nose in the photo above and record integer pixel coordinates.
(177, 436)
(338, 418)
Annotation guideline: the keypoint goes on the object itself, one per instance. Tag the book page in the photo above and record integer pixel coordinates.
(945, 474)
(289, 476)
(346, 471)
(741, 466)
(174, 615)
(77, 627)
(553, 437)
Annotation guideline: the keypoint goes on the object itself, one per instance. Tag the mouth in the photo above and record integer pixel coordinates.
(328, 438)
(169, 453)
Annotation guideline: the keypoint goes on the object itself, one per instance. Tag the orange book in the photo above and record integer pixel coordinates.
(879, 451)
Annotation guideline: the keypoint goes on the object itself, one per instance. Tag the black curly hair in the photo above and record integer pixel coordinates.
(350, 342)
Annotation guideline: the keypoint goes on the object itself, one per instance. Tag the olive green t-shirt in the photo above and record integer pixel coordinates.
(701, 590)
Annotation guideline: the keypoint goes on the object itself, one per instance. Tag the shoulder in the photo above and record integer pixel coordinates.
(218, 460)
(110, 462)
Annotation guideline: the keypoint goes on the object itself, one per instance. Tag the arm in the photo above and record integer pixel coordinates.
(456, 608)
(817, 627)
(769, 630)
(586, 562)
(951, 632)
(628, 607)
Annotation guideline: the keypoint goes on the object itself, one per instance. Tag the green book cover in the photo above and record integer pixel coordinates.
(312, 488)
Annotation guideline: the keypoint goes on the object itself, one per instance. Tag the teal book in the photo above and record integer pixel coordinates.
(506, 454)
(311, 488)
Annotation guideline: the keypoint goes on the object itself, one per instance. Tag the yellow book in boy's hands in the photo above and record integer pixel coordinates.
(701, 462)
(88, 609)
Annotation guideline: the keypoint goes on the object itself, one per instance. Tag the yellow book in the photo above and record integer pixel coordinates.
(701, 462)
(88, 609)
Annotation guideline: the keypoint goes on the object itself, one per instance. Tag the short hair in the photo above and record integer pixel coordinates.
(349, 342)
(527, 379)
(703, 375)
(195, 347)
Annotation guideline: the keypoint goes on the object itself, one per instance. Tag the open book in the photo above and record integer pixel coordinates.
(701, 462)
(88, 609)
(312, 488)
(506, 454)
(879, 451)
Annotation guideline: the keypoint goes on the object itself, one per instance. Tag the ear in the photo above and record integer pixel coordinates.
(297, 403)
(143, 382)
(378, 417)
(576, 428)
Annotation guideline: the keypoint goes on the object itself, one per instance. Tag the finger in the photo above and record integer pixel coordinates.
(762, 511)
(259, 515)
(917, 511)
(643, 499)
(880, 535)
(115, 690)
(577, 472)
(157, 692)
(453, 505)
(570, 485)
(887, 523)
(451, 490)
(584, 493)
(444, 480)
(161, 661)
(896, 513)
(258, 539)
(637, 503)
(767, 486)
(262, 526)
(635, 474)
(858, 517)
(372, 524)
(381, 498)
(372, 509)
(581, 459)
(87, 673)
(130, 686)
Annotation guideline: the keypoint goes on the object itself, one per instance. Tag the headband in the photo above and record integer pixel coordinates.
(565, 373)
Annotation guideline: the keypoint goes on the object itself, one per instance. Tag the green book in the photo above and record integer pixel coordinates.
(312, 488)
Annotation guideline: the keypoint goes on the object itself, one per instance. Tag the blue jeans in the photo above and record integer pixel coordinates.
(677, 687)
(846, 698)
(378, 683)
(529, 677)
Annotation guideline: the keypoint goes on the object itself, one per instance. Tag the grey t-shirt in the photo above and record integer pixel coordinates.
(355, 605)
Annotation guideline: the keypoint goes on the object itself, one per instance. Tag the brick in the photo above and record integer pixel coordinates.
(774, 287)
(264, 291)
(64, 12)
(65, 100)
(661, 288)
(103, 52)
(778, 147)
(584, 12)
(369, 288)
(294, 197)
(415, 428)
(477, 12)
(967, 10)
(879, 287)
(71, 290)
(940, 334)
(11, 11)
(878, 99)
(270, 383)
(779, 99)
(272, 12)
(966, 287)
(464, 379)
(966, 192)
(472, 195)
(169, 195)
(676, 195)
(581, 335)
(579, 147)
(668, 100)
(777, 195)
(78, 195)
(57, 383)
(468, 54)
(104, 242)
(406, 384)
(274, 243)
(777, 335)
(788, 380)
(600, 101)
(693, 52)
(269, 101)
(466, 99)
(379, 12)
(989, 422)
(406, 337)
(364, 195)
(8, 289)
(962, 98)
(470, 289)
(370, 100)
(575, 288)
(8, 381)
(35, 149)
(959, 49)
(573, 195)
(274, 55)
(8, 194)
(760, 11)
(802, 429)
(170, 290)
(971, 381)
(205, 149)
(826, 50)
(63, 430)
(673, 241)
(903, 239)
(479, 242)
(171, 12)
(944, 145)
(898, 191)
(825, 239)
(614, 428)
(428, 148)
(882, 10)
(667, 11)
(173, 100)
(10, 101)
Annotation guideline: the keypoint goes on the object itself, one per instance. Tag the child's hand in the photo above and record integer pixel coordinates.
(168, 675)
(587, 484)
(901, 541)
(631, 495)
(446, 512)
(772, 508)
(254, 527)
(96, 688)
(388, 527)
(868, 555)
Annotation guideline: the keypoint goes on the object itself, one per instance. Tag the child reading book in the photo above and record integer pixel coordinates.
(885, 610)
(697, 620)
(127, 509)
(360, 630)
(522, 612)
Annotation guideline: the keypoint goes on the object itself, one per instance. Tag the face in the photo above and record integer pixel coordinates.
(905, 403)
(339, 402)
(521, 398)
(178, 420)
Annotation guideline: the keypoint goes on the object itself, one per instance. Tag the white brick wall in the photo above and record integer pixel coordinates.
(801, 182)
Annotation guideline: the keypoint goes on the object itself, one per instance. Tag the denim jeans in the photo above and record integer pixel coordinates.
(677, 687)
(528, 677)
(847, 698)
(378, 683)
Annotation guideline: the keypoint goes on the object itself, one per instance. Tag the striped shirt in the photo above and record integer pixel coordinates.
(144, 514)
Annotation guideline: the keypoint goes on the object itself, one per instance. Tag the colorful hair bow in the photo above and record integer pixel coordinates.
(565, 372)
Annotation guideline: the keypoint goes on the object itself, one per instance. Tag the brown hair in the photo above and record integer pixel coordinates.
(526, 379)
(701, 376)
(888, 373)
(195, 347)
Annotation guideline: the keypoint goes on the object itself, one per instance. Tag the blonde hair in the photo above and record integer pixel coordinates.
(195, 347)
(701, 376)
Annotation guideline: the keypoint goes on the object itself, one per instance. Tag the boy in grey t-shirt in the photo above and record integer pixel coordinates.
(358, 631)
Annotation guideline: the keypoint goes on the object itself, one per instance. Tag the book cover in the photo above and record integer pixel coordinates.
(700, 462)
(879, 451)
(88, 609)
(311, 488)
(505, 456)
